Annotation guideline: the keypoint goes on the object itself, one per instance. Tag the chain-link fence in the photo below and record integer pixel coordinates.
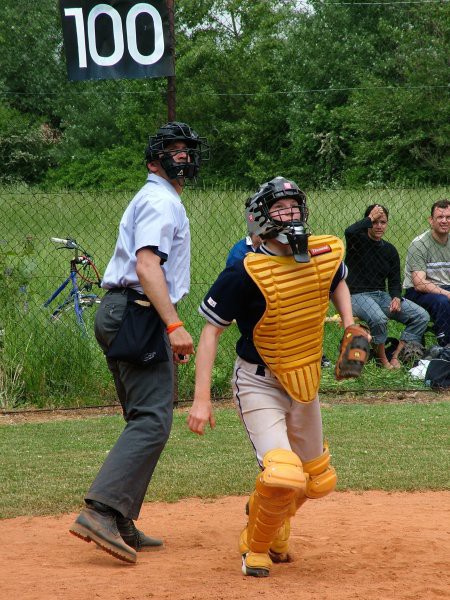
(48, 357)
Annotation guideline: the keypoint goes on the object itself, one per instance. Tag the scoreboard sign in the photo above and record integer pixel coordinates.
(116, 39)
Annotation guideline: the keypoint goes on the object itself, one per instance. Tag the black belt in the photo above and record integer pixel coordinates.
(131, 293)
(260, 370)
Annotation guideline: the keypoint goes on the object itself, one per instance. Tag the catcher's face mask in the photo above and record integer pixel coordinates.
(285, 222)
(160, 147)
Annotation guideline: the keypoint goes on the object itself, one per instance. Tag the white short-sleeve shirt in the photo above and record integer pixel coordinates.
(155, 218)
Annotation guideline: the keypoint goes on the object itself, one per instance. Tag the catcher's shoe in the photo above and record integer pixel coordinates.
(278, 551)
(135, 538)
(100, 526)
(255, 564)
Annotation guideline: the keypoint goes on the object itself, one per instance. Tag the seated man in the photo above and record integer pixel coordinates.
(372, 262)
(427, 270)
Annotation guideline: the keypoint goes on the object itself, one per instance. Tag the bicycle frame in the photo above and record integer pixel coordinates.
(76, 295)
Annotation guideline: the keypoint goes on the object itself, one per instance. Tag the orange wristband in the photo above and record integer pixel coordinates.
(174, 326)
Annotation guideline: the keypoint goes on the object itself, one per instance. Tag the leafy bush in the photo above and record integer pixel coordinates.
(24, 147)
(114, 168)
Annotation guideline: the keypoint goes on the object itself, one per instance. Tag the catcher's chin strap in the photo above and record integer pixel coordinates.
(354, 352)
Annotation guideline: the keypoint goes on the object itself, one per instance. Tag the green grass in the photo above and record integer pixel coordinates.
(48, 364)
(47, 467)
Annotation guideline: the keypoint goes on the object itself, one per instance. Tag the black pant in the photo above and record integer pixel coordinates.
(146, 396)
(438, 307)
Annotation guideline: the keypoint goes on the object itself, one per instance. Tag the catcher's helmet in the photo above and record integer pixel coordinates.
(262, 223)
(197, 150)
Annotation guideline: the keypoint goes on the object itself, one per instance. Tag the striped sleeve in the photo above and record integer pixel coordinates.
(340, 274)
(222, 303)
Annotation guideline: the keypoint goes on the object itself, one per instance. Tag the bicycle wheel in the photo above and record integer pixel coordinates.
(68, 306)
(87, 300)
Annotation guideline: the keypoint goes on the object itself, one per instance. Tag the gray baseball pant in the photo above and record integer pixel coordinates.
(146, 396)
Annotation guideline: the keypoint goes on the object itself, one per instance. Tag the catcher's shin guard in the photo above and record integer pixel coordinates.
(279, 548)
(322, 477)
(269, 506)
(320, 480)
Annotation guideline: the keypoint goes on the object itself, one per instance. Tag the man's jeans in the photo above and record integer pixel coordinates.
(438, 306)
(373, 308)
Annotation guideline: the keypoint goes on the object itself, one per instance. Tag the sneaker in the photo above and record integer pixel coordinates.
(135, 538)
(433, 352)
(255, 564)
(97, 523)
(325, 362)
(279, 550)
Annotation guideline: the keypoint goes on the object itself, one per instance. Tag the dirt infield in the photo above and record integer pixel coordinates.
(369, 546)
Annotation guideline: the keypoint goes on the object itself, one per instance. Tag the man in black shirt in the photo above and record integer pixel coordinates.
(372, 263)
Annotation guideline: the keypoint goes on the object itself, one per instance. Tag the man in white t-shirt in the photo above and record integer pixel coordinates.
(427, 270)
(148, 274)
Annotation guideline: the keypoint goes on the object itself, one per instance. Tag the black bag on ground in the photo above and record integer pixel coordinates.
(438, 372)
(140, 339)
(391, 346)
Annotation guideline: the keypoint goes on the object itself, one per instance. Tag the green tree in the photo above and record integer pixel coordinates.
(277, 86)
(230, 75)
(353, 129)
(25, 146)
(402, 134)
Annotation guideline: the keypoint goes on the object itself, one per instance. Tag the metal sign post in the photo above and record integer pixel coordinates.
(171, 89)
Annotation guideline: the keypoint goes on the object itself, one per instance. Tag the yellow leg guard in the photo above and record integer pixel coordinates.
(279, 548)
(269, 507)
(320, 481)
(322, 477)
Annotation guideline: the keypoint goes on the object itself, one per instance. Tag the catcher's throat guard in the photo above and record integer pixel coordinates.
(298, 241)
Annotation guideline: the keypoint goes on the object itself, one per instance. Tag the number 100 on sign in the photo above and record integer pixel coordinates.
(117, 39)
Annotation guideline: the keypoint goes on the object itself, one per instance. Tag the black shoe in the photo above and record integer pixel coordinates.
(434, 352)
(133, 537)
(325, 362)
(97, 523)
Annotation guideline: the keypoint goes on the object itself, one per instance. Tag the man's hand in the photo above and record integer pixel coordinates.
(395, 305)
(181, 341)
(376, 213)
(200, 414)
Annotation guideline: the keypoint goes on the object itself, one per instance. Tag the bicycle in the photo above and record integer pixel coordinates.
(81, 296)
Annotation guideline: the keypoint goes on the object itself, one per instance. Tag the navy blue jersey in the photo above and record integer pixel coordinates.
(235, 297)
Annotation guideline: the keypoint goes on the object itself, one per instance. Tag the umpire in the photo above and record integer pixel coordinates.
(138, 329)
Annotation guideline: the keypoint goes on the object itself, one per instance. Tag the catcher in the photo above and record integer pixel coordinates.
(278, 297)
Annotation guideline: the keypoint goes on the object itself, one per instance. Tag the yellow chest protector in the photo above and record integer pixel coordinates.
(289, 335)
